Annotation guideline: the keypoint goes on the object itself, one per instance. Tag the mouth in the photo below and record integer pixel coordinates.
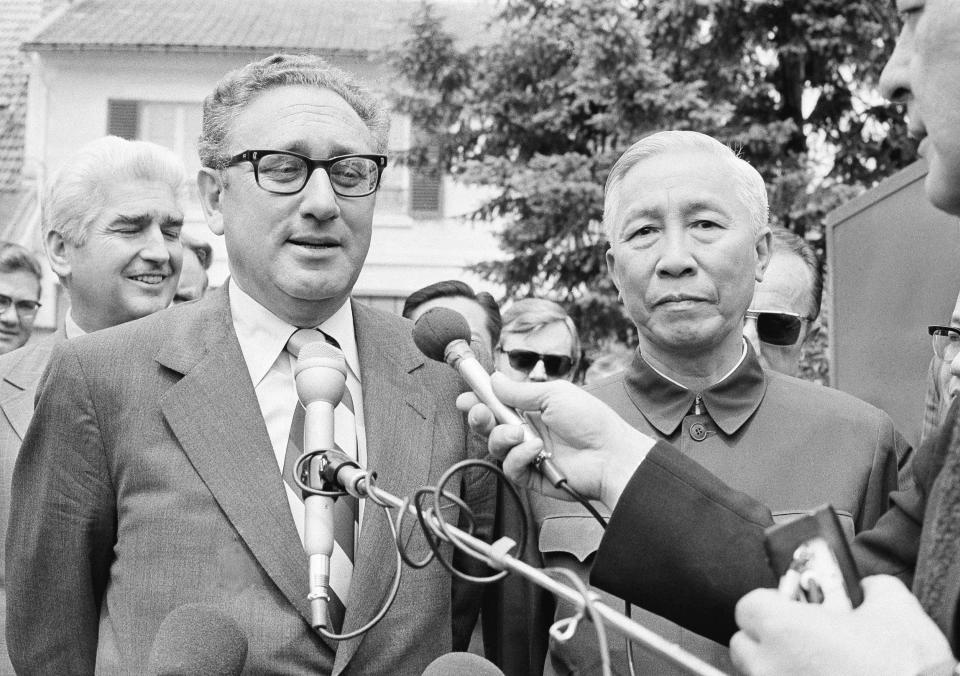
(149, 278)
(680, 300)
(315, 243)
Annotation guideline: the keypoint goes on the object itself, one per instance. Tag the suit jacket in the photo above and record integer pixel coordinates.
(20, 373)
(676, 516)
(152, 484)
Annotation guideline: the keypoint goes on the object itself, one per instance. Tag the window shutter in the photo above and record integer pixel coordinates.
(123, 119)
(425, 190)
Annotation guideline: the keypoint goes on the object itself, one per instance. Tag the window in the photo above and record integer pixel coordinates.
(172, 125)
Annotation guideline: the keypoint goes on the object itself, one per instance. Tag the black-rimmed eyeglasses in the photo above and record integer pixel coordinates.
(778, 328)
(25, 308)
(946, 341)
(286, 173)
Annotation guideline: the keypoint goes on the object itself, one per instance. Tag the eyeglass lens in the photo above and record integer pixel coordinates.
(554, 365)
(24, 308)
(778, 329)
(350, 177)
(946, 344)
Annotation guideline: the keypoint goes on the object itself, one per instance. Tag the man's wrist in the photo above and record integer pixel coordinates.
(622, 468)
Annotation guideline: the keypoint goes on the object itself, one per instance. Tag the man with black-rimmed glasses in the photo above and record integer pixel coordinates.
(176, 467)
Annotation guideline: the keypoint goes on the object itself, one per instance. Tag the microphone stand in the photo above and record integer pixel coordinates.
(361, 484)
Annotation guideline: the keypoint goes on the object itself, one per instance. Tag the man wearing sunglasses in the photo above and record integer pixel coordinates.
(687, 225)
(153, 475)
(786, 303)
(538, 342)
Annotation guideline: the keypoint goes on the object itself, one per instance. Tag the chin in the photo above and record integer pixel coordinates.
(943, 188)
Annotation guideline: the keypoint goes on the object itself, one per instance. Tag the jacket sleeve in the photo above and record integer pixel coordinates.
(62, 528)
(684, 545)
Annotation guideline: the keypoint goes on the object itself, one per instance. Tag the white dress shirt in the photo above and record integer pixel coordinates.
(263, 338)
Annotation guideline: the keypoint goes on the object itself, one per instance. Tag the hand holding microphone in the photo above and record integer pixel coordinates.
(594, 448)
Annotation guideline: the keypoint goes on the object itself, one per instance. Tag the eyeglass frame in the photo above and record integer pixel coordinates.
(540, 358)
(6, 302)
(804, 319)
(950, 330)
(254, 157)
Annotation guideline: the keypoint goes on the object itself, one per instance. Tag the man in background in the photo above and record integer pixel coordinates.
(111, 219)
(19, 295)
(479, 309)
(538, 342)
(197, 257)
(786, 303)
(177, 461)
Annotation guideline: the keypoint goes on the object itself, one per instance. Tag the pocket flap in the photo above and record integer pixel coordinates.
(577, 535)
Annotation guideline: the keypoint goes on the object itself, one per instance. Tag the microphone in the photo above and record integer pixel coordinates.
(444, 335)
(197, 639)
(320, 376)
(461, 664)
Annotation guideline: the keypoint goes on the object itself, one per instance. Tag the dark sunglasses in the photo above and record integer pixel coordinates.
(554, 365)
(946, 341)
(778, 328)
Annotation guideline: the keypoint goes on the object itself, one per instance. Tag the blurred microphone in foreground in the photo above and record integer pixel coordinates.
(198, 639)
(461, 664)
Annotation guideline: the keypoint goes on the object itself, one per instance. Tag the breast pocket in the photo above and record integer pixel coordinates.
(572, 534)
(845, 518)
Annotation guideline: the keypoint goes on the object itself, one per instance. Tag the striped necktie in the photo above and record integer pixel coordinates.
(346, 507)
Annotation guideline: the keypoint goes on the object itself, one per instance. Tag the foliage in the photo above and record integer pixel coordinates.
(541, 112)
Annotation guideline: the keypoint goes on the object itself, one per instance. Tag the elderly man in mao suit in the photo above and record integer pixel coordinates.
(150, 477)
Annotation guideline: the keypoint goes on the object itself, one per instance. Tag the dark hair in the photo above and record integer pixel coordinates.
(788, 242)
(453, 288)
(239, 87)
(14, 258)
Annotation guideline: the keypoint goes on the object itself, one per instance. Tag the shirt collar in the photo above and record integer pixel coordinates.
(263, 335)
(730, 402)
(71, 328)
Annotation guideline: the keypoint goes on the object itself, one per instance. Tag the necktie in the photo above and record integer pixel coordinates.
(346, 507)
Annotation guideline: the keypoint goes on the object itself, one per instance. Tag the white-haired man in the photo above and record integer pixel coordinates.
(111, 219)
(687, 225)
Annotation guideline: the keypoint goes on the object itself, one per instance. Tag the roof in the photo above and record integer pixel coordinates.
(359, 26)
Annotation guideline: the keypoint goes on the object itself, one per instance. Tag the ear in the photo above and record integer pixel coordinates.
(612, 267)
(57, 249)
(210, 186)
(764, 252)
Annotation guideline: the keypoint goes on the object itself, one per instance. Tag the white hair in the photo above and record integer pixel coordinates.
(76, 194)
(750, 188)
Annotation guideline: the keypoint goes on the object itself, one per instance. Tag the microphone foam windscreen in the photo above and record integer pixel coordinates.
(461, 664)
(198, 639)
(437, 328)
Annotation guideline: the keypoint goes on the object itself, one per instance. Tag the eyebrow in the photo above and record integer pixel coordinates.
(143, 220)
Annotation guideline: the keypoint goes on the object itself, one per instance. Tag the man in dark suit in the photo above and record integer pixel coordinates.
(151, 476)
(111, 225)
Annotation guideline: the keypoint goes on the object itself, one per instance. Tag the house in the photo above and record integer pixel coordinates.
(140, 69)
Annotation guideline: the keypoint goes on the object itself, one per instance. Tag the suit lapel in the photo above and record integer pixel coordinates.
(214, 414)
(398, 416)
(19, 386)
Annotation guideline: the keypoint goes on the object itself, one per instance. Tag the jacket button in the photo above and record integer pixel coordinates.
(698, 431)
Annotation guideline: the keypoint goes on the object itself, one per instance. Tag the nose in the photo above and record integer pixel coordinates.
(156, 247)
(894, 81)
(538, 373)
(9, 316)
(675, 258)
(319, 200)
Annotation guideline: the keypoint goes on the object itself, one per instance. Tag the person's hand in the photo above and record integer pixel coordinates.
(887, 634)
(596, 449)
